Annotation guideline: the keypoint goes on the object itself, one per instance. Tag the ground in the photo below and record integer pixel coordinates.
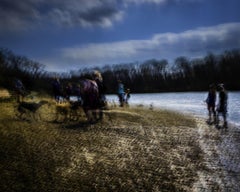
(132, 149)
(221, 155)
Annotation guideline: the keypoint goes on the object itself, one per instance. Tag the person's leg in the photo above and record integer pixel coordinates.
(209, 114)
(87, 112)
(214, 116)
(217, 118)
(121, 100)
(18, 98)
(225, 120)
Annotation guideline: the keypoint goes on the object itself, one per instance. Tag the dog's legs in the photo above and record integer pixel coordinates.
(23, 116)
(37, 116)
(19, 115)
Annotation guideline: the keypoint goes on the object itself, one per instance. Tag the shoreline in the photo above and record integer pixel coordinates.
(222, 154)
(192, 103)
(221, 149)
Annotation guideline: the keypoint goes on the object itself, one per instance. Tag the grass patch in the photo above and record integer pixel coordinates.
(132, 149)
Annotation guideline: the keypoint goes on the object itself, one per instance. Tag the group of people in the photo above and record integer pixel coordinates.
(90, 93)
(61, 92)
(214, 111)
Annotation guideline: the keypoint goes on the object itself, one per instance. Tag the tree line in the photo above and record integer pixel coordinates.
(140, 77)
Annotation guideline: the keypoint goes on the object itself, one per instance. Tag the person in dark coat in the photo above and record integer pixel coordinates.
(97, 77)
(211, 102)
(57, 89)
(20, 90)
(68, 91)
(127, 96)
(222, 105)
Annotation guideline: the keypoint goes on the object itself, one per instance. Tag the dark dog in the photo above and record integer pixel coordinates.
(29, 107)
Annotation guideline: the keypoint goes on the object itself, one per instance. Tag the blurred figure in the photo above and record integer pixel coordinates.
(121, 93)
(77, 92)
(97, 77)
(57, 89)
(127, 96)
(68, 91)
(211, 102)
(222, 105)
(19, 90)
(90, 97)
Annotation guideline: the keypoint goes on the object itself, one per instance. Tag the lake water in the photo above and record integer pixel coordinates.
(188, 102)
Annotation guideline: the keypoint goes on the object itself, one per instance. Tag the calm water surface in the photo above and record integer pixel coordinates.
(187, 102)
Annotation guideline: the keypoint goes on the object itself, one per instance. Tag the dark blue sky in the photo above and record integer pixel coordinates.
(66, 35)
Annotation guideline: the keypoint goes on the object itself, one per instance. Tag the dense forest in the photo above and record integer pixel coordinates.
(149, 76)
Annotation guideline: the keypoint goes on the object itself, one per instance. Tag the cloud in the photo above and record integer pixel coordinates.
(145, 1)
(86, 13)
(215, 38)
(19, 15)
(16, 15)
(157, 2)
(191, 43)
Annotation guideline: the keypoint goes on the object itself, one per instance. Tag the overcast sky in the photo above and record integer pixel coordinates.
(69, 34)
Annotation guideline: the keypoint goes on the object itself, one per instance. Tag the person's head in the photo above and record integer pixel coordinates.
(97, 75)
(220, 87)
(212, 87)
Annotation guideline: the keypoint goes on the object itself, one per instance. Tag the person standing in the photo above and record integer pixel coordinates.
(121, 93)
(211, 102)
(127, 96)
(57, 89)
(97, 77)
(222, 105)
(19, 89)
(68, 91)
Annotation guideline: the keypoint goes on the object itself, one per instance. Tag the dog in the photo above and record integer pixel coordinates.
(29, 108)
(68, 111)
